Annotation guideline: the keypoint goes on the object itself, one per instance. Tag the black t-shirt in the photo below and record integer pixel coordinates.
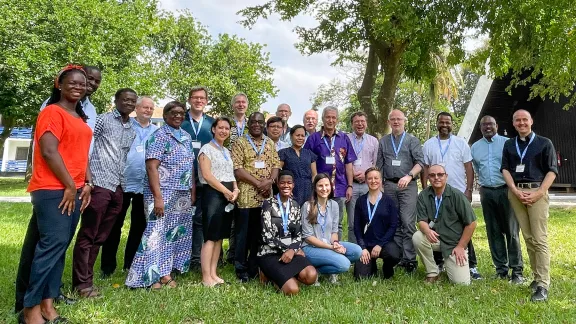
(540, 158)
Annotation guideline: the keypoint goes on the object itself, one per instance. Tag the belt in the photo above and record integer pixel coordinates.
(528, 185)
(395, 180)
(356, 181)
(494, 188)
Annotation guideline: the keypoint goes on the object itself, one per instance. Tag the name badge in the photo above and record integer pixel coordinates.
(286, 240)
(431, 224)
(259, 164)
(358, 161)
(330, 160)
(396, 162)
(140, 148)
(366, 228)
(520, 168)
(196, 144)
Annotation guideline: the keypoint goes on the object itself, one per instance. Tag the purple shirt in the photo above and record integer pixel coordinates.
(343, 154)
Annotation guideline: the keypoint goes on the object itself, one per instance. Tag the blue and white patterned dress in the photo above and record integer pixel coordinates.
(167, 241)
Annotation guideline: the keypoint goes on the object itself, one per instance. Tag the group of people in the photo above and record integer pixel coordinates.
(278, 193)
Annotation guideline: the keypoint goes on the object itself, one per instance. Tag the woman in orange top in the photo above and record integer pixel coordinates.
(60, 189)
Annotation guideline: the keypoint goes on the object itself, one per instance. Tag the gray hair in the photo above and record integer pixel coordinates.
(283, 104)
(391, 111)
(329, 108)
(196, 89)
(141, 98)
(238, 95)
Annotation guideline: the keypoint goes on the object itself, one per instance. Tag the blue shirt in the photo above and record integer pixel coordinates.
(135, 169)
(204, 134)
(487, 159)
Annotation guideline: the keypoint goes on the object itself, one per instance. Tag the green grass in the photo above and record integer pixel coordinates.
(13, 187)
(404, 299)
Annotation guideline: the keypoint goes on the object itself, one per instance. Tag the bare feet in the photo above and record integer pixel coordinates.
(217, 279)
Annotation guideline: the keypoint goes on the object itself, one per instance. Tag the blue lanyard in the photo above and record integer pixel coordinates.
(221, 149)
(438, 203)
(331, 147)
(525, 149)
(358, 148)
(196, 131)
(284, 213)
(240, 130)
(254, 146)
(397, 149)
(443, 152)
(322, 225)
(370, 211)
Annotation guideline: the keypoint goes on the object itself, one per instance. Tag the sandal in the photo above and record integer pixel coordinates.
(170, 283)
(90, 292)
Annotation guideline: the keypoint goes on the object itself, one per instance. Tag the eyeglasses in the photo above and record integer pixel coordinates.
(177, 113)
(261, 122)
(198, 98)
(436, 175)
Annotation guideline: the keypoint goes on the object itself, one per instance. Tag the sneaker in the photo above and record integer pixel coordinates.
(441, 268)
(333, 279)
(516, 279)
(533, 286)
(317, 283)
(431, 280)
(474, 274)
(541, 294)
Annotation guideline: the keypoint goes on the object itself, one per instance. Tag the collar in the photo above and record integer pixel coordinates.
(137, 124)
(116, 113)
(356, 135)
(85, 102)
(168, 131)
(447, 191)
(189, 116)
(254, 139)
(245, 121)
(322, 134)
(527, 139)
(493, 138)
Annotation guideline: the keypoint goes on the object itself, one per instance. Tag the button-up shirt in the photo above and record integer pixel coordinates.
(366, 149)
(487, 160)
(281, 145)
(135, 170)
(540, 158)
(343, 152)
(204, 134)
(457, 153)
(235, 133)
(409, 154)
(285, 137)
(112, 141)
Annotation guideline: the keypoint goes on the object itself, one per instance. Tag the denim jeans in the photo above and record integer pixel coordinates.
(329, 262)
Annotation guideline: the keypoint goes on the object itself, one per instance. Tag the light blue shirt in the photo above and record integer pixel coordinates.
(487, 159)
(135, 169)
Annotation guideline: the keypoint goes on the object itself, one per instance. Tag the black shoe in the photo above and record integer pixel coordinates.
(517, 279)
(21, 319)
(64, 299)
(105, 275)
(533, 286)
(541, 294)
(410, 267)
(502, 276)
(243, 277)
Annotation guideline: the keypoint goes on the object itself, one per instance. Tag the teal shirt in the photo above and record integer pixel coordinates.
(204, 134)
(487, 160)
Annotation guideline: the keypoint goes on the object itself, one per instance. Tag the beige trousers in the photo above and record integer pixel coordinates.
(533, 222)
(456, 274)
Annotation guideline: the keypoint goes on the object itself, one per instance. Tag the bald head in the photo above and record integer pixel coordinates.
(522, 121)
(284, 111)
(310, 120)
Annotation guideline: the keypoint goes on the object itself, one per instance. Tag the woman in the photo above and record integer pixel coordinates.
(168, 198)
(217, 174)
(280, 258)
(301, 162)
(375, 222)
(59, 188)
(320, 218)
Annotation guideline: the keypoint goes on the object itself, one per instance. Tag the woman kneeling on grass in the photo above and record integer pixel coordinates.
(280, 257)
(320, 231)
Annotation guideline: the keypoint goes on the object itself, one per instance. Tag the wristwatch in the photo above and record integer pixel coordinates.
(89, 183)
(350, 186)
(411, 174)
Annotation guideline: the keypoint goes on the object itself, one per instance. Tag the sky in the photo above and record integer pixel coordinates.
(296, 76)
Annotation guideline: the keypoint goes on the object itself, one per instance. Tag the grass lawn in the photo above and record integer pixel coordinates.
(13, 187)
(404, 299)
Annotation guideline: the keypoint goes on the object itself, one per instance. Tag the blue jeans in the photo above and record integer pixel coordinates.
(329, 262)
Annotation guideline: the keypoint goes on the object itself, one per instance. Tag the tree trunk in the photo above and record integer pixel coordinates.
(29, 158)
(8, 124)
(432, 94)
(367, 87)
(390, 58)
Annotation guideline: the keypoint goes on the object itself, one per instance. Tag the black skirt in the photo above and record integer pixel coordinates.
(279, 272)
(215, 221)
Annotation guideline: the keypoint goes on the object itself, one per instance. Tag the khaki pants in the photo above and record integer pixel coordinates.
(533, 222)
(456, 274)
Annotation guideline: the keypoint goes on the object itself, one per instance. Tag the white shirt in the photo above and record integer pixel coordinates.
(456, 155)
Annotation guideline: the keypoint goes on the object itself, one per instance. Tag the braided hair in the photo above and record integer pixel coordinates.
(57, 93)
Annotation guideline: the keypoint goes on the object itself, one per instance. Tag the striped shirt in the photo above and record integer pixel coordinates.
(112, 141)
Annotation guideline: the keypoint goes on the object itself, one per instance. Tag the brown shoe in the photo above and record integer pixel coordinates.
(89, 292)
(263, 278)
(430, 280)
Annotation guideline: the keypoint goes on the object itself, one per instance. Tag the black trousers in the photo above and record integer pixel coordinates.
(137, 226)
(197, 228)
(390, 254)
(248, 230)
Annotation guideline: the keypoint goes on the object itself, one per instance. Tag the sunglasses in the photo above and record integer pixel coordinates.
(436, 175)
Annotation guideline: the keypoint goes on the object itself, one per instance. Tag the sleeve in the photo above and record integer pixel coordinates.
(421, 212)
(313, 156)
(307, 228)
(238, 154)
(390, 223)
(350, 154)
(308, 145)
(155, 147)
(464, 209)
(550, 162)
(99, 126)
(416, 150)
(359, 222)
(505, 157)
(275, 158)
(335, 215)
(297, 228)
(425, 153)
(282, 155)
(376, 148)
(466, 155)
(473, 149)
(380, 157)
(269, 236)
(49, 120)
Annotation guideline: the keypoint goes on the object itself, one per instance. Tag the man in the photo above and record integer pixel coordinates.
(113, 137)
(274, 127)
(446, 222)
(256, 165)
(366, 149)
(134, 173)
(199, 126)
(529, 167)
(239, 120)
(501, 225)
(400, 160)
(310, 122)
(335, 157)
(452, 152)
(284, 112)
(93, 80)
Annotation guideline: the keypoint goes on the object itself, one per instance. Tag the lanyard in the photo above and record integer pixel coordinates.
(284, 213)
(358, 147)
(331, 147)
(370, 211)
(438, 203)
(443, 152)
(525, 149)
(397, 149)
(221, 149)
(240, 131)
(196, 131)
(322, 225)
(254, 146)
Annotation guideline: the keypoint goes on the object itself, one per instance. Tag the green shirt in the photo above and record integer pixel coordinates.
(455, 213)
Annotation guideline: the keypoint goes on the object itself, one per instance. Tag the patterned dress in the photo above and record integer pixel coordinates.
(300, 166)
(167, 240)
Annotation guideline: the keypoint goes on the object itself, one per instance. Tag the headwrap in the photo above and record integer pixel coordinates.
(67, 68)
